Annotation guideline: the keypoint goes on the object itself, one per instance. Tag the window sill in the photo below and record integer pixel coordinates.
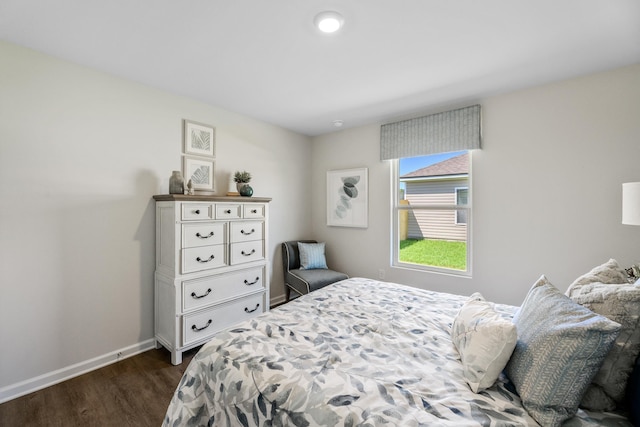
(433, 270)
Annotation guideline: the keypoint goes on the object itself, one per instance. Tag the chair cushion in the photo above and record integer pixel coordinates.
(561, 346)
(312, 256)
(305, 281)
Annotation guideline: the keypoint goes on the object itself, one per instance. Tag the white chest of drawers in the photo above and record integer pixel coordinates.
(211, 267)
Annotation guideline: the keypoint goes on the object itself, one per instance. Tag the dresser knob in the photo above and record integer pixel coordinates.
(253, 251)
(205, 260)
(246, 233)
(228, 211)
(252, 283)
(197, 211)
(255, 211)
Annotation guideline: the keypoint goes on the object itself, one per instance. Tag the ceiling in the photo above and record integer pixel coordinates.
(392, 59)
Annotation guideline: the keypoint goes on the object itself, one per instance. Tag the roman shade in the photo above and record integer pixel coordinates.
(454, 130)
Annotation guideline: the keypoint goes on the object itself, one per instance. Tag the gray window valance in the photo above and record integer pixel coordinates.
(453, 130)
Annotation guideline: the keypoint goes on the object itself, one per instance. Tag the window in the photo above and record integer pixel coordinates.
(462, 199)
(431, 219)
(432, 212)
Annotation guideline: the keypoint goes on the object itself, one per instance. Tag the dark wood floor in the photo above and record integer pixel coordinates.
(133, 392)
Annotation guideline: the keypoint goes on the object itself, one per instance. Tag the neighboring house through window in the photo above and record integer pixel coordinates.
(432, 211)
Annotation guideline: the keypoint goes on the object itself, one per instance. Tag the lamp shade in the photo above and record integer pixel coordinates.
(631, 203)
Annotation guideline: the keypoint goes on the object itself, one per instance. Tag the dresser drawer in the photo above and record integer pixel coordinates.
(216, 289)
(228, 211)
(247, 252)
(204, 324)
(245, 231)
(254, 211)
(195, 211)
(203, 258)
(202, 234)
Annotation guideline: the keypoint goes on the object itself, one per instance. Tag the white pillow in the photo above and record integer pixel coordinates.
(485, 341)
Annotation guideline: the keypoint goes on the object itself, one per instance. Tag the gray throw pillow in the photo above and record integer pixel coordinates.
(561, 346)
(609, 272)
(620, 303)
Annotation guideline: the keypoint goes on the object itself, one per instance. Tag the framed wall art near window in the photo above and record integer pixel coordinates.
(347, 198)
(199, 139)
(200, 172)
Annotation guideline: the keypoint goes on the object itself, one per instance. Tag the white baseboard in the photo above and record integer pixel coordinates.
(34, 384)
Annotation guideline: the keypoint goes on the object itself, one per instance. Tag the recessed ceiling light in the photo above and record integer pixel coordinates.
(338, 123)
(329, 21)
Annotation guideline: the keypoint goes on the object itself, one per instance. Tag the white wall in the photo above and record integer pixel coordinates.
(81, 154)
(546, 189)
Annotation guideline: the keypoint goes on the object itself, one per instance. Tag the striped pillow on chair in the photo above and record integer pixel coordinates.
(312, 256)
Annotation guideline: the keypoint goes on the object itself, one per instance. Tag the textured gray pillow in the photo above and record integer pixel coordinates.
(620, 303)
(609, 272)
(561, 346)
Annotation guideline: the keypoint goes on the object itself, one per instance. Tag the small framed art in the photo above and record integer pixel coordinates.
(199, 139)
(347, 198)
(200, 172)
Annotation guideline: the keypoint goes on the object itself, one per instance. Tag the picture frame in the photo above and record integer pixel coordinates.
(198, 139)
(348, 198)
(200, 171)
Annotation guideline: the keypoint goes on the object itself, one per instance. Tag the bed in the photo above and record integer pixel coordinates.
(359, 352)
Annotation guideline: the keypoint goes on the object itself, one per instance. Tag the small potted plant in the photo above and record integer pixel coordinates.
(242, 180)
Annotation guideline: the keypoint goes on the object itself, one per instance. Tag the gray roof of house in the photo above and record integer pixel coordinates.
(454, 166)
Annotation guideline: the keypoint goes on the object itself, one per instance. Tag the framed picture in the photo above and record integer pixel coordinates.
(200, 172)
(199, 139)
(347, 198)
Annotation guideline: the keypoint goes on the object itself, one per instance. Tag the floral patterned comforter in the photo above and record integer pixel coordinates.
(356, 353)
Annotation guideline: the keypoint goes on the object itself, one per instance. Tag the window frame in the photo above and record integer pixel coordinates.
(396, 207)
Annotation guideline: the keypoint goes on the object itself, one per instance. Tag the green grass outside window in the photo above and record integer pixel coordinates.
(434, 253)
